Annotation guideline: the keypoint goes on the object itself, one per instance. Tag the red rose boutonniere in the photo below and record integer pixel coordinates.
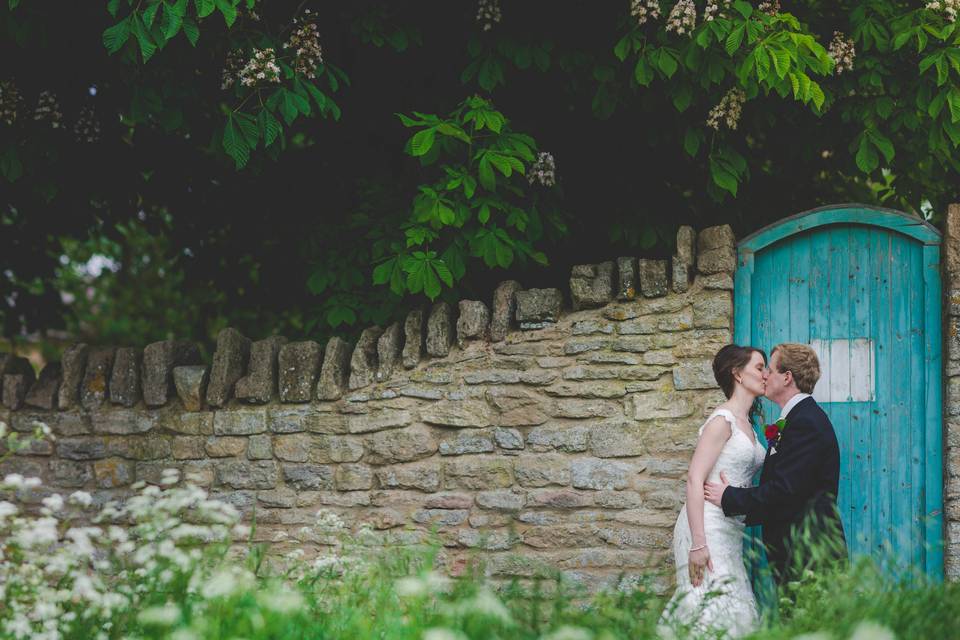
(773, 432)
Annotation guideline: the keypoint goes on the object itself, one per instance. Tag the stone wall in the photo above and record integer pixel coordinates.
(539, 434)
(951, 360)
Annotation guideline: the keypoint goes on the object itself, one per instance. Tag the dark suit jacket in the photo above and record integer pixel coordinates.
(798, 484)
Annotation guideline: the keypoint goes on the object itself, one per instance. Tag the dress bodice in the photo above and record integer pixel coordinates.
(741, 455)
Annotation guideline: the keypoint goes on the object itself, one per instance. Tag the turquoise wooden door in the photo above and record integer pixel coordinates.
(862, 286)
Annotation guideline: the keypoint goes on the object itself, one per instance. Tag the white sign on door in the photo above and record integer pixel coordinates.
(847, 372)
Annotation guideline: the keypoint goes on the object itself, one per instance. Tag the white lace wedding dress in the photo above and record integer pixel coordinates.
(724, 601)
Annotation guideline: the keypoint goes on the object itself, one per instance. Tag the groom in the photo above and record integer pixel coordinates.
(798, 483)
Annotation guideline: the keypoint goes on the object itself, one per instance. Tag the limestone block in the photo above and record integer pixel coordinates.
(413, 339)
(542, 470)
(309, 477)
(478, 473)
(299, 366)
(335, 370)
(538, 308)
(713, 310)
(229, 365)
(510, 439)
(43, 394)
(560, 437)
(389, 347)
(94, 388)
(716, 250)
(191, 384)
(681, 275)
(626, 278)
(378, 420)
(504, 309)
(239, 422)
(242, 474)
(15, 389)
(718, 237)
(125, 379)
(440, 330)
(260, 384)
(473, 322)
(422, 476)
(467, 442)
(70, 474)
(353, 477)
(459, 413)
(596, 473)
(123, 421)
(403, 445)
(616, 440)
(259, 447)
(694, 374)
(686, 245)
(363, 362)
(653, 277)
(73, 363)
(591, 285)
(159, 360)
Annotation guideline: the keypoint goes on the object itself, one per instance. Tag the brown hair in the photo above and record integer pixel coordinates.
(801, 361)
(730, 358)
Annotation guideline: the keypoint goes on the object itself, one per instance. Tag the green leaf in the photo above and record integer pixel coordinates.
(409, 122)
(421, 142)
(483, 216)
(643, 72)
(191, 30)
(171, 22)
(235, 144)
(205, 8)
(383, 271)
(453, 131)
(953, 101)
(743, 8)
(722, 176)
(682, 98)
(882, 143)
(443, 272)
(10, 165)
(866, 158)
(147, 46)
(883, 106)
(734, 39)
(667, 63)
(485, 172)
(691, 142)
(340, 315)
(270, 127)
(112, 6)
(149, 14)
(318, 280)
(249, 128)
(116, 36)
(622, 48)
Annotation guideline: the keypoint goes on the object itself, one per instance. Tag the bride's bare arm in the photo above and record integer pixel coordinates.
(715, 435)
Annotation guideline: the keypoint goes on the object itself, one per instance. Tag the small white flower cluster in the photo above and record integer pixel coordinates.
(305, 44)
(715, 8)
(48, 109)
(87, 127)
(682, 18)
(10, 100)
(644, 10)
(488, 13)
(231, 68)
(949, 8)
(261, 68)
(728, 111)
(770, 7)
(842, 51)
(543, 170)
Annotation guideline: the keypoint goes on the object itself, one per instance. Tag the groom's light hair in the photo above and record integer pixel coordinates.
(801, 361)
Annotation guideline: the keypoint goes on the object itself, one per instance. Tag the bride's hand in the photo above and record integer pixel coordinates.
(699, 560)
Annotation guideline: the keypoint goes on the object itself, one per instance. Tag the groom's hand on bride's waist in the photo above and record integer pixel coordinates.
(713, 491)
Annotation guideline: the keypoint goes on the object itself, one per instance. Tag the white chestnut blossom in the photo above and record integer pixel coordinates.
(10, 100)
(543, 171)
(231, 69)
(770, 7)
(48, 109)
(715, 8)
(644, 10)
(261, 68)
(488, 13)
(949, 8)
(682, 18)
(728, 111)
(842, 51)
(304, 42)
(87, 127)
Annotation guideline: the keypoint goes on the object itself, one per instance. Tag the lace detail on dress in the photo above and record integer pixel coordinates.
(731, 605)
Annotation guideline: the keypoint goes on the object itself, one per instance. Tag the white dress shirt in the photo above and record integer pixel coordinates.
(791, 403)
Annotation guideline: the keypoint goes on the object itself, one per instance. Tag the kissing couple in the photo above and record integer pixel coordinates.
(797, 489)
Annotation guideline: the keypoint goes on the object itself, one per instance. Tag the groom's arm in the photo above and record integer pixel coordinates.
(790, 481)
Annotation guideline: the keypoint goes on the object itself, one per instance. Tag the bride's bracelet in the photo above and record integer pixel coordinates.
(703, 546)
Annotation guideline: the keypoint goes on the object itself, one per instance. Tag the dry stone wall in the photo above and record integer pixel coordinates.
(548, 429)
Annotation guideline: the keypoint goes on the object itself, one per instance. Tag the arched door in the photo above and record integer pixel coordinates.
(862, 287)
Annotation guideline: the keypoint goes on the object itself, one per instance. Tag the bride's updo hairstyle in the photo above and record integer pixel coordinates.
(730, 359)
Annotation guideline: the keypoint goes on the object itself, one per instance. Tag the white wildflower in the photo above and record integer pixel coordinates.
(163, 616)
(567, 632)
(7, 509)
(728, 111)
(283, 602)
(682, 18)
(3, 429)
(440, 633)
(868, 630)
(81, 498)
(52, 504)
(644, 10)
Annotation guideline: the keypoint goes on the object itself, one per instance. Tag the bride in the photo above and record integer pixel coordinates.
(713, 591)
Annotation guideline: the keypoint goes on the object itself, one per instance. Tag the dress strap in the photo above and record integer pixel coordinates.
(726, 414)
